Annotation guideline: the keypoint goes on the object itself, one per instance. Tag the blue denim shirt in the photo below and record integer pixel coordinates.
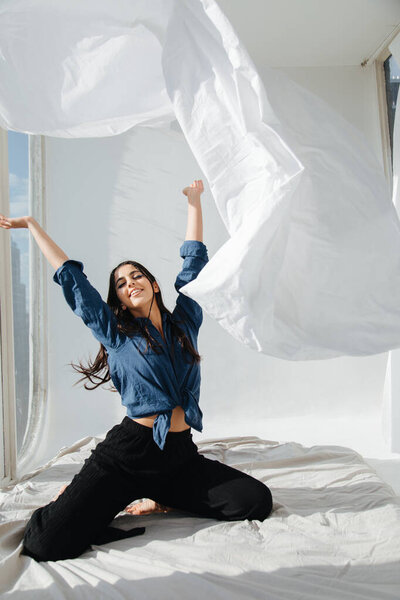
(148, 382)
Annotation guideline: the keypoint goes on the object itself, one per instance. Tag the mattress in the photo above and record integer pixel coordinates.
(334, 533)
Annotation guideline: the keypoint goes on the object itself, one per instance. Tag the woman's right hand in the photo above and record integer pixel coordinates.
(52, 252)
(14, 223)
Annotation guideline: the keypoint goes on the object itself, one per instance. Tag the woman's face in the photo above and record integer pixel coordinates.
(134, 290)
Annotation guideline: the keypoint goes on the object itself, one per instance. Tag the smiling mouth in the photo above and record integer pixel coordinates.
(136, 293)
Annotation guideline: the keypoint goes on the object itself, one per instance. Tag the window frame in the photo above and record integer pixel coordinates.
(13, 464)
(8, 433)
(38, 338)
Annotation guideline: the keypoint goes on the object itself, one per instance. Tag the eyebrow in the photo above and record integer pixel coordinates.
(119, 278)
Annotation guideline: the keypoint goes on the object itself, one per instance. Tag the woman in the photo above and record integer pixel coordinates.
(150, 354)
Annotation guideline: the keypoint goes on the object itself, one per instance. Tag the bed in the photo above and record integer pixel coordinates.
(334, 533)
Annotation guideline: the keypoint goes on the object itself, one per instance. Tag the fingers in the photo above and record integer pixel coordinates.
(4, 222)
(136, 509)
(146, 507)
(196, 186)
(197, 183)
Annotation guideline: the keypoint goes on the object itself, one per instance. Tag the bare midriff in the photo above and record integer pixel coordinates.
(178, 422)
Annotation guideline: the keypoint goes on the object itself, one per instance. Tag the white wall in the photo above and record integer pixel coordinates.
(103, 198)
(351, 90)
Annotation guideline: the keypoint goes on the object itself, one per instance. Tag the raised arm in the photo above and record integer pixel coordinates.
(52, 252)
(194, 229)
(82, 297)
(195, 256)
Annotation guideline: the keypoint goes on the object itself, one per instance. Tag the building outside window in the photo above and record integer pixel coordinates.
(18, 161)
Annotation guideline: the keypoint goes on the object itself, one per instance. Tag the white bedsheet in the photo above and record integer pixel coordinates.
(334, 533)
(312, 266)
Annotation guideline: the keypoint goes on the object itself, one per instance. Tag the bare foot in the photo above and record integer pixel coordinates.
(60, 492)
(146, 507)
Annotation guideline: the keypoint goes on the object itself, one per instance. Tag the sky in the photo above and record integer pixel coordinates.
(18, 154)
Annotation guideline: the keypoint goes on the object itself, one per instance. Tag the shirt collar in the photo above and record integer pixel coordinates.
(164, 317)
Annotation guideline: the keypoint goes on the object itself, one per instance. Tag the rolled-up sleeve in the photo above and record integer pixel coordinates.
(86, 302)
(195, 258)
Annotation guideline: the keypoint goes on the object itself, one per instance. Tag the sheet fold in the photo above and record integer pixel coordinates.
(312, 266)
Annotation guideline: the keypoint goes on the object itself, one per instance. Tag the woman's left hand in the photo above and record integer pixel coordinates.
(194, 190)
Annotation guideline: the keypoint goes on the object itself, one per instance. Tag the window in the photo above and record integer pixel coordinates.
(392, 82)
(23, 324)
(18, 177)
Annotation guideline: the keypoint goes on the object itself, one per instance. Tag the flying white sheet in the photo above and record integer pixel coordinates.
(312, 266)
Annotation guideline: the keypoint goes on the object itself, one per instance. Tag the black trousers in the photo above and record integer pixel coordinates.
(129, 465)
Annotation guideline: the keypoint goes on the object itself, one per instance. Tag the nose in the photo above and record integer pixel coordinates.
(133, 286)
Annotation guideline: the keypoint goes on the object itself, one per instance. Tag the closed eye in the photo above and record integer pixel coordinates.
(137, 277)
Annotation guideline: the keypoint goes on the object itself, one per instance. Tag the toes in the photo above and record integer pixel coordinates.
(146, 507)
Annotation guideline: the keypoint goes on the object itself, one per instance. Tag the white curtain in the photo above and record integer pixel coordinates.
(312, 266)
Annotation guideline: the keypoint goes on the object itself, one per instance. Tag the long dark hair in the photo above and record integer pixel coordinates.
(130, 326)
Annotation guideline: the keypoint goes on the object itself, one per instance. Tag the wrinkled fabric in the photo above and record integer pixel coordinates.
(149, 382)
(312, 266)
(127, 465)
(334, 532)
